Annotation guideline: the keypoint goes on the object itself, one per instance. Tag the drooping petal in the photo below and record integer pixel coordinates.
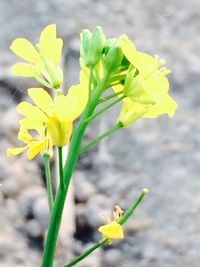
(25, 69)
(42, 99)
(23, 48)
(24, 135)
(131, 111)
(166, 106)
(31, 112)
(16, 151)
(35, 147)
(112, 230)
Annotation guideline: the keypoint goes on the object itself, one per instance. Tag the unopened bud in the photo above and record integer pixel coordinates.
(113, 59)
(92, 46)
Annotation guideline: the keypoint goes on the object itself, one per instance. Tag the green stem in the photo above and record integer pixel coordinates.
(103, 99)
(86, 253)
(123, 219)
(117, 78)
(99, 138)
(48, 180)
(60, 160)
(55, 220)
(90, 80)
(104, 109)
(131, 210)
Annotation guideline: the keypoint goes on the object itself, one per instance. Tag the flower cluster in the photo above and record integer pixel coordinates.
(139, 82)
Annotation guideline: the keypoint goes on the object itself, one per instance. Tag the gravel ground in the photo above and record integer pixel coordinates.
(161, 154)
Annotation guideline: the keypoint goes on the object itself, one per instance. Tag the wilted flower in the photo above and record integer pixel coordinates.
(113, 230)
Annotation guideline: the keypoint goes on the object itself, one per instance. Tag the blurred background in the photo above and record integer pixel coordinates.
(161, 154)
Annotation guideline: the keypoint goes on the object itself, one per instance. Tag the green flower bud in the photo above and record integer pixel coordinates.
(97, 44)
(132, 85)
(92, 46)
(113, 59)
(86, 37)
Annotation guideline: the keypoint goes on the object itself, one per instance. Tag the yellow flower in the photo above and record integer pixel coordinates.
(51, 118)
(146, 86)
(113, 230)
(43, 58)
(34, 145)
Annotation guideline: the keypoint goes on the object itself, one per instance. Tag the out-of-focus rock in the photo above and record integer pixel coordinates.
(27, 198)
(84, 188)
(113, 258)
(97, 206)
(41, 212)
(32, 228)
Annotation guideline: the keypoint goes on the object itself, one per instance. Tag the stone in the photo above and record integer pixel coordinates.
(41, 212)
(27, 198)
(84, 188)
(98, 205)
(33, 229)
(113, 258)
(10, 188)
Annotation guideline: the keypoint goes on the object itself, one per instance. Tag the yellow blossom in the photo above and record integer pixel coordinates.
(51, 118)
(146, 86)
(42, 58)
(34, 145)
(113, 230)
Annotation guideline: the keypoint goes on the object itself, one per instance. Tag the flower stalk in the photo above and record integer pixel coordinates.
(55, 220)
(96, 140)
(121, 221)
(46, 158)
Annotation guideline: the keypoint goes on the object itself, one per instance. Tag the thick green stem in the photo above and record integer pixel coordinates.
(123, 219)
(55, 220)
(105, 108)
(99, 138)
(60, 160)
(48, 180)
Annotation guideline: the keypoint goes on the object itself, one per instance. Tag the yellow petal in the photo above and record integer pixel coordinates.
(155, 87)
(145, 63)
(131, 111)
(31, 112)
(15, 151)
(23, 48)
(50, 45)
(166, 106)
(28, 124)
(112, 230)
(25, 69)
(69, 107)
(35, 147)
(127, 46)
(60, 132)
(42, 99)
(24, 135)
